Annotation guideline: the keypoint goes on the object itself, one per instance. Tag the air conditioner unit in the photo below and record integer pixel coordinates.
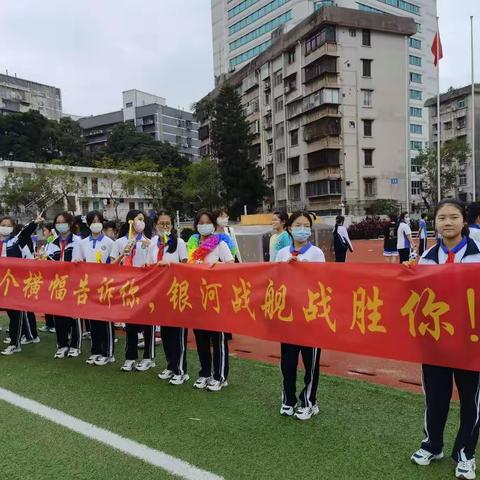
(268, 108)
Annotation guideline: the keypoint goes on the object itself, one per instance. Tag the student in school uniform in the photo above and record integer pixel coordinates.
(110, 230)
(227, 234)
(454, 247)
(422, 234)
(341, 240)
(405, 241)
(299, 228)
(167, 248)
(134, 251)
(96, 248)
(473, 212)
(390, 252)
(63, 249)
(11, 246)
(208, 248)
(279, 238)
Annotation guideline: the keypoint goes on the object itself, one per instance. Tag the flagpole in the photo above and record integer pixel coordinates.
(474, 178)
(439, 123)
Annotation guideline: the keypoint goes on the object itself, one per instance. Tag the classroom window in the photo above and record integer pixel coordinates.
(415, 61)
(415, 112)
(416, 129)
(367, 68)
(415, 43)
(415, 77)
(415, 145)
(415, 94)
(416, 187)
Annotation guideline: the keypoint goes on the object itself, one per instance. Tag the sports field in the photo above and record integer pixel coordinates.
(363, 431)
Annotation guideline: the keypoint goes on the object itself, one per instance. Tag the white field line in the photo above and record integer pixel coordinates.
(159, 459)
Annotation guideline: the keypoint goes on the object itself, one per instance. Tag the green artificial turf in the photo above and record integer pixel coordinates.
(363, 431)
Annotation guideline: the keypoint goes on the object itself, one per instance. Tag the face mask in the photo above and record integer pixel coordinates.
(300, 234)
(223, 221)
(139, 226)
(164, 231)
(62, 227)
(206, 229)
(6, 231)
(407, 220)
(96, 227)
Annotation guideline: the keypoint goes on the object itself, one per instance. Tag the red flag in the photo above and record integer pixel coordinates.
(437, 49)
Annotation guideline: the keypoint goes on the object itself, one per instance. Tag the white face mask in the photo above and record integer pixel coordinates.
(62, 227)
(206, 229)
(223, 221)
(96, 227)
(6, 231)
(139, 226)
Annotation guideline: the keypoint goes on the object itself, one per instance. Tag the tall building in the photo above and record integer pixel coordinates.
(328, 105)
(19, 95)
(456, 123)
(242, 29)
(149, 114)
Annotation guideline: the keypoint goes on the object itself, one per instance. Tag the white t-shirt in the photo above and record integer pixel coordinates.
(311, 254)
(475, 233)
(343, 233)
(177, 256)
(220, 252)
(402, 232)
(140, 253)
(88, 248)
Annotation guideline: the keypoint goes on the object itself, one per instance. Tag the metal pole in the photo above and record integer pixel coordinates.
(474, 179)
(407, 134)
(439, 128)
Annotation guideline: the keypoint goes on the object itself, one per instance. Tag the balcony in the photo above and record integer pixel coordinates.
(324, 96)
(322, 66)
(322, 159)
(323, 188)
(203, 132)
(325, 127)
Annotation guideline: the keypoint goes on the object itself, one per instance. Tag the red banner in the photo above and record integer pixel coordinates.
(419, 314)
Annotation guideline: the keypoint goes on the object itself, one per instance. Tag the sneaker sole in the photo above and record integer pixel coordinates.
(433, 459)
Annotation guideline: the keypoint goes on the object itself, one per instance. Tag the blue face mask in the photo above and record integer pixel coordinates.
(301, 234)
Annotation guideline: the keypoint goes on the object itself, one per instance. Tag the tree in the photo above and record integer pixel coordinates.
(231, 141)
(383, 206)
(203, 109)
(203, 186)
(453, 154)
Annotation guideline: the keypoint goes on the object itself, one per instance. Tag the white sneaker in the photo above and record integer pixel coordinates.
(306, 413)
(165, 375)
(100, 361)
(141, 345)
(202, 382)
(91, 359)
(145, 365)
(43, 328)
(179, 379)
(128, 366)
(7, 340)
(11, 349)
(51, 330)
(216, 385)
(73, 352)
(158, 340)
(287, 411)
(26, 341)
(86, 335)
(465, 468)
(61, 352)
(423, 457)
(36, 340)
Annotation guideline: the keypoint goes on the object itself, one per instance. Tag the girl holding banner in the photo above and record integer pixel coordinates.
(96, 248)
(131, 249)
(454, 247)
(299, 227)
(206, 247)
(167, 248)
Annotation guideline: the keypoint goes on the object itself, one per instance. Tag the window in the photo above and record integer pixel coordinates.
(414, 165)
(294, 138)
(415, 77)
(269, 147)
(415, 43)
(277, 78)
(461, 123)
(262, 30)
(281, 181)
(278, 104)
(352, 32)
(415, 94)
(189, 124)
(241, 7)
(295, 192)
(414, 60)
(323, 187)
(94, 185)
(366, 68)
(447, 126)
(85, 207)
(141, 206)
(366, 38)
(367, 128)
(84, 181)
(131, 205)
(419, 27)
(370, 185)
(96, 205)
(256, 15)
(367, 98)
(414, 145)
(249, 54)
(368, 157)
(416, 187)
(269, 171)
(462, 180)
(326, 34)
(368, 8)
(415, 112)
(279, 130)
(417, 129)
(294, 165)
(189, 141)
(291, 56)
(129, 105)
(280, 155)
(461, 103)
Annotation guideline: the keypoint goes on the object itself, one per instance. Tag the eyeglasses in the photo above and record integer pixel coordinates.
(164, 224)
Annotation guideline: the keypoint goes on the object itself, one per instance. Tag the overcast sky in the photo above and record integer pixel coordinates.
(95, 49)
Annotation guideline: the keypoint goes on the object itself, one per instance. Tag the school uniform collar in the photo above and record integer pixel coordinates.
(471, 249)
(67, 240)
(98, 239)
(302, 250)
(475, 226)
